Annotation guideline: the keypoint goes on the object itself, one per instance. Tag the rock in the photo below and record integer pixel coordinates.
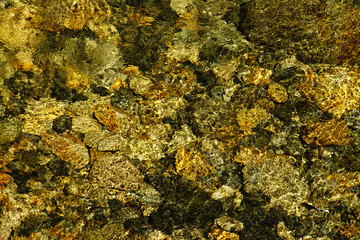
(220, 234)
(72, 15)
(85, 124)
(277, 92)
(76, 79)
(223, 192)
(115, 119)
(68, 148)
(16, 30)
(192, 165)
(115, 171)
(275, 176)
(10, 129)
(226, 71)
(229, 224)
(106, 141)
(257, 76)
(332, 132)
(149, 152)
(62, 123)
(249, 118)
(39, 115)
(183, 53)
(336, 90)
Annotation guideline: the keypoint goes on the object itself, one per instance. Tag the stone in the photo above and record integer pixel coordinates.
(76, 79)
(249, 118)
(10, 129)
(115, 119)
(39, 115)
(182, 138)
(229, 224)
(68, 148)
(226, 71)
(192, 165)
(257, 76)
(115, 171)
(140, 84)
(188, 21)
(183, 53)
(106, 141)
(4, 179)
(336, 90)
(332, 132)
(220, 234)
(85, 124)
(277, 92)
(149, 152)
(72, 15)
(62, 123)
(179, 6)
(275, 176)
(223, 193)
(16, 30)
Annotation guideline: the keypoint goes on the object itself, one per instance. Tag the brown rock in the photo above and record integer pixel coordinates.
(332, 132)
(115, 171)
(115, 119)
(68, 148)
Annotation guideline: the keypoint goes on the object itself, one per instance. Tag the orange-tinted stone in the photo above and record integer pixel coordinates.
(332, 132)
(4, 179)
(220, 234)
(68, 148)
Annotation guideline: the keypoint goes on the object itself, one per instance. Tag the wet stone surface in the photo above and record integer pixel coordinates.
(179, 119)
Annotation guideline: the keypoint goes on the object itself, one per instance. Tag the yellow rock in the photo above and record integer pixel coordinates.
(189, 21)
(336, 90)
(332, 132)
(17, 30)
(220, 234)
(257, 76)
(116, 120)
(115, 171)
(76, 80)
(183, 53)
(39, 115)
(277, 92)
(72, 14)
(248, 118)
(191, 165)
(67, 147)
(275, 176)
(226, 71)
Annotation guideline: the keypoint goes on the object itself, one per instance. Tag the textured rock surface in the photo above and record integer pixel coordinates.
(332, 132)
(179, 119)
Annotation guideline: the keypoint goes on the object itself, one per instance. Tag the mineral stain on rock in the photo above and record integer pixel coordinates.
(68, 148)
